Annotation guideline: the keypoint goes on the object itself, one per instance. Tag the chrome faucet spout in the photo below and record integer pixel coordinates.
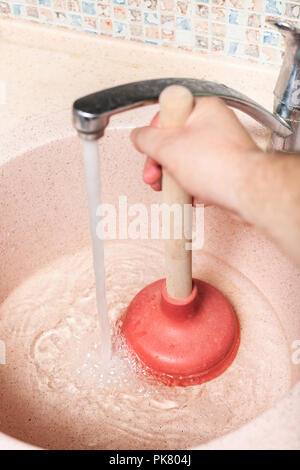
(287, 89)
(91, 113)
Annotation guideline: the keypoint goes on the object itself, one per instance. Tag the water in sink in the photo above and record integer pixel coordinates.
(56, 392)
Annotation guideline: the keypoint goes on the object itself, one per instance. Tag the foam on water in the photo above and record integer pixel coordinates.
(58, 392)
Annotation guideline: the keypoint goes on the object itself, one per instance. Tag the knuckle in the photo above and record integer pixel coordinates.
(174, 152)
(209, 103)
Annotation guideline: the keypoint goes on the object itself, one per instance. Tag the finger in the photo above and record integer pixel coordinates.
(146, 139)
(204, 108)
(155, 143)
(155, 121)
(156, 186)
(152, 171)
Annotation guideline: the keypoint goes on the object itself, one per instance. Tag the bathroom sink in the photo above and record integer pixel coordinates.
(47, 309)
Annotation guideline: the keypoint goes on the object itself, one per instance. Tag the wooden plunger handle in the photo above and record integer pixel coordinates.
(176, 104)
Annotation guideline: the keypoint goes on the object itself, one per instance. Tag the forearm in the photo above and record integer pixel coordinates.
(268, 196)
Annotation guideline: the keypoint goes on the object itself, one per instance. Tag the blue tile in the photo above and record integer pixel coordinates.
(233, 17)
(76, 20)
(233, 47)
(151, 18)
(88, 8)
(274, 7)
(183, 23)
(119, 2)
(119, 28)
(17, 10)
(45, 3)
(151, 42)
(271, 38)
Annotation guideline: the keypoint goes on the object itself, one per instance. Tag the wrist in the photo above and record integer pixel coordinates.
(242, 182)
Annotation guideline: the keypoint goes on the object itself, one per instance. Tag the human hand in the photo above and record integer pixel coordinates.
(208, 156)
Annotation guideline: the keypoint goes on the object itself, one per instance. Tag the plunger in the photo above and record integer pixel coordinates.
(183, 331)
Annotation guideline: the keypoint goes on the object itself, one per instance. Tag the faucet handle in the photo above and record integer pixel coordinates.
(287, 89)
(91, 113)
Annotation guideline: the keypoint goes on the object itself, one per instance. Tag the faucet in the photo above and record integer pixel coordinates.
(91, 113)
(287, 89)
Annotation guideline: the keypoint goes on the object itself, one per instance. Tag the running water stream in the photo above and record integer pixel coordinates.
(93, 185)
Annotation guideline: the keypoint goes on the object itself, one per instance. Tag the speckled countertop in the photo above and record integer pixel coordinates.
(45, 70)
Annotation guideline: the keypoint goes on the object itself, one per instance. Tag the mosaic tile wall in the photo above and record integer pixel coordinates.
(235, 28)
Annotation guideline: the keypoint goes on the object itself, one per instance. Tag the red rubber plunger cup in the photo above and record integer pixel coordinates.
(182, 330)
